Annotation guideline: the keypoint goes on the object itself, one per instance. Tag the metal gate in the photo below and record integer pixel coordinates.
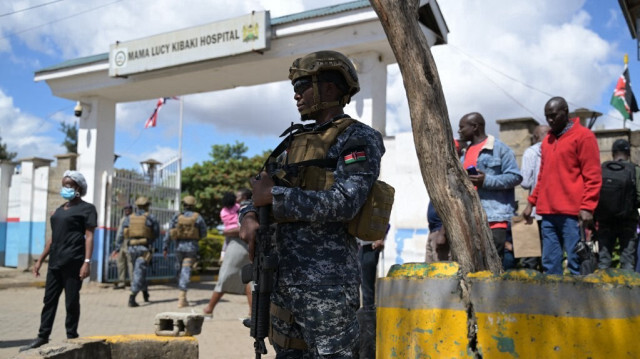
(161, 184)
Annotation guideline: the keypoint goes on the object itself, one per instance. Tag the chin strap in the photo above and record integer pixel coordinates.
(318, 105)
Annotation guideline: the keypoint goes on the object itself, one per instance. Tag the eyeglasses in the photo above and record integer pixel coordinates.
(302, 85)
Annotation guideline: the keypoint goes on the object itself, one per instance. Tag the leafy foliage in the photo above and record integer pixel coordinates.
(221, 153)
(4, 154)
(227, 171)
(209, 249)
(70, 131)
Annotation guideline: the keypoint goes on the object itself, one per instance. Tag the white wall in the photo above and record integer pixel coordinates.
(406, 241)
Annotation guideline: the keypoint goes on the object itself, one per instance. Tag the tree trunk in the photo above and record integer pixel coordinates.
(453, 195)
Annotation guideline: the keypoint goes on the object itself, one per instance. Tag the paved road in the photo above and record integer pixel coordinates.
(104, 312)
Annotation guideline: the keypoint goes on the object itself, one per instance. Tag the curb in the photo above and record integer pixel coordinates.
(41, 284)
(37, 284)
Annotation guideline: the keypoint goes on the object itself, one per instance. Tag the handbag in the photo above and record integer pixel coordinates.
(586, 251)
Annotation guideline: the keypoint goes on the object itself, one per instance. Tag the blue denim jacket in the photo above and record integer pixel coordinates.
(502, 175)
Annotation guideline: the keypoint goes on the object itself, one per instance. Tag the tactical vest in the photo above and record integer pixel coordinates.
(186, 228)
(306, 166)
(138, 227)
(306, 162)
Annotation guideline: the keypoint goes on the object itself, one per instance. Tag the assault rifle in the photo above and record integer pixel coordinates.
(261, 272)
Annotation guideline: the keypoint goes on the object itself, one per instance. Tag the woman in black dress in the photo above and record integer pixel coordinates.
(70, 248)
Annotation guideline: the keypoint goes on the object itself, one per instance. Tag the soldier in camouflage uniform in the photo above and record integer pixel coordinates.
(141, 229)
(186, 229)
(316, 291)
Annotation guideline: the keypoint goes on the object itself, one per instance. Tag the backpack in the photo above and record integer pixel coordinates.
(618, 191)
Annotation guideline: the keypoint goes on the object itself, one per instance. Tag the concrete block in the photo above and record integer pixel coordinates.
(69, 349)
(431, 310)
(176, 324)
(421, 312)
(525, 314)
(150, 346)
(138, 346)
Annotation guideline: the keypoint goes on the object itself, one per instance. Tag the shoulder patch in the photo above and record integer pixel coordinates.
(356, 156)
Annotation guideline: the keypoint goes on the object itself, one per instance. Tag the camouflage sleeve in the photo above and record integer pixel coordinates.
(359, 150)
(120, 238)
(246, 209)
(202, 226)
(167, 236)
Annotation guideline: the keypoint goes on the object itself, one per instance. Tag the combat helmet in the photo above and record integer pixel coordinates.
(142, 201)
(189, 201)
(315, 63)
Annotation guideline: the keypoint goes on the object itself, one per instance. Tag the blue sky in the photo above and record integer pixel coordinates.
(572, 48)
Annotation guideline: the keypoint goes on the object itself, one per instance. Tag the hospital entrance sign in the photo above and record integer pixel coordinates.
(220, 39)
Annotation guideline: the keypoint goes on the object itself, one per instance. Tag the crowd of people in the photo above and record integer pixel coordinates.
(572, 196)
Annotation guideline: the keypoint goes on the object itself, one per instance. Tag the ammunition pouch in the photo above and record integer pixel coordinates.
(282, 340)
(371, 223)
(147, 256)
(138, 242)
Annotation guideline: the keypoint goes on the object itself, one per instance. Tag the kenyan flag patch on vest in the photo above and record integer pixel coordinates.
(354, 157)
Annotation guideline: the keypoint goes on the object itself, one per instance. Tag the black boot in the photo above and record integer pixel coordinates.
(145, 296)
(132, 301)
(36, 343)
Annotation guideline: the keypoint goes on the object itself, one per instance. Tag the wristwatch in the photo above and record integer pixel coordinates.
(87, 260)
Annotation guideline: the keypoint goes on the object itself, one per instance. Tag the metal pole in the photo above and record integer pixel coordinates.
(179, 172)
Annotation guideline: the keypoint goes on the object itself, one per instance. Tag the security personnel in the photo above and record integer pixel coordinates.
(186, 229)
(125, 265)
(316, 293)
(141, 229)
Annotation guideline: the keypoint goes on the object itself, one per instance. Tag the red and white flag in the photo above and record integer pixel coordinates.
(151, 122)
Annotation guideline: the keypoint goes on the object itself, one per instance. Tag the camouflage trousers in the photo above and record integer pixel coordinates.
(323, 316)
(185, 261)
(138, 257)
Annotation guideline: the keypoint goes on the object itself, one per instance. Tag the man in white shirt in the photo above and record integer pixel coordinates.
(529, 170)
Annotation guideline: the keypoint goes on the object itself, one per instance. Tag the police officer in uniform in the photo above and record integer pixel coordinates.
(141, 229)
(125, 265)
(316, 292)
(187, 229)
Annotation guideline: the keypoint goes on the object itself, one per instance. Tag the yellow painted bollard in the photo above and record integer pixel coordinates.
(524, 314)
(420, 313)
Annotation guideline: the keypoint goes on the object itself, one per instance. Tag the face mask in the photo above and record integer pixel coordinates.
(68, 193)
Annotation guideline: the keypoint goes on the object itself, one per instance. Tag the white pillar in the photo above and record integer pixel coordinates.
(6, 171)
(30, 225)
(370, 104)
(96, 134)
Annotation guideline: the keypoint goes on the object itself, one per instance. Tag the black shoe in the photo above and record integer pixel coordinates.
(132, 301)
(145, 296)
(36, 343)
(247, 322)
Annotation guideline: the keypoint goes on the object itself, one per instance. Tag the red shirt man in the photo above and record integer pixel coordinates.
(568, 186)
